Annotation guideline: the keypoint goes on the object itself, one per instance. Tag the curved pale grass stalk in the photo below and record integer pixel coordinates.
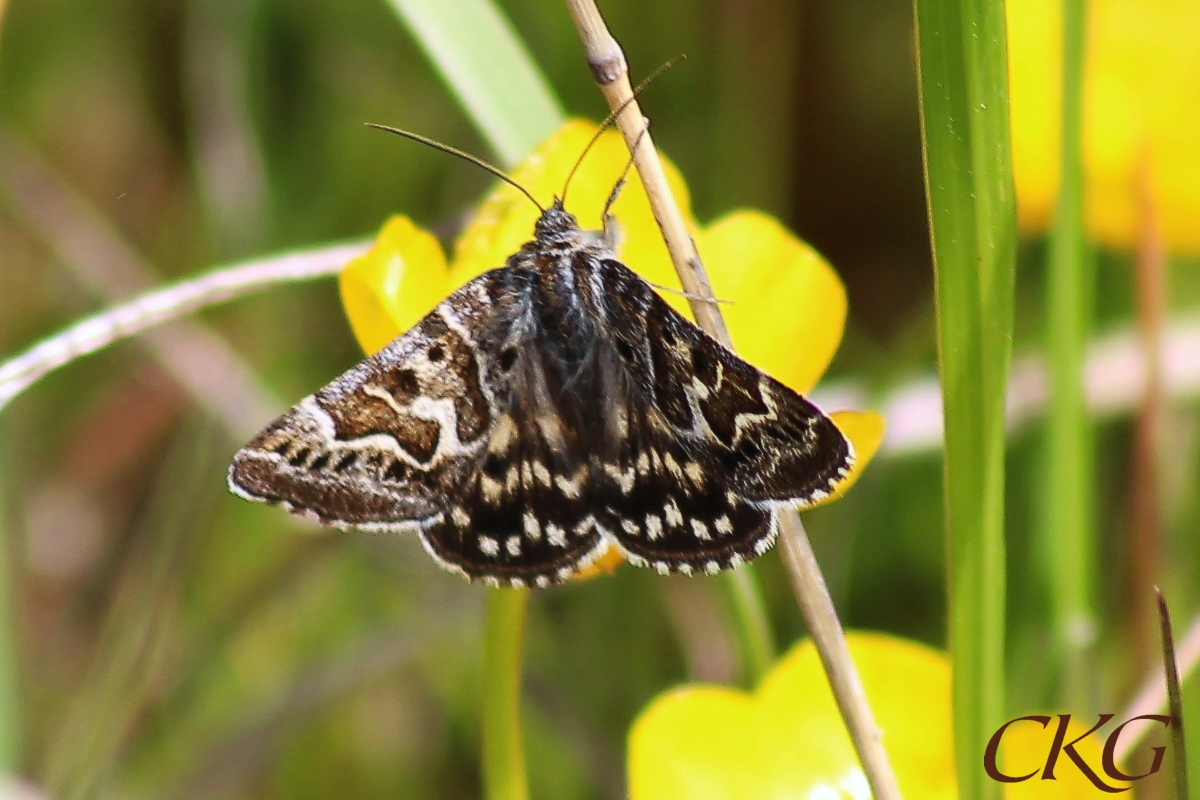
(149, 310)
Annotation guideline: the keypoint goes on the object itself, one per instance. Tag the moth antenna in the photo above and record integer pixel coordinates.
(688, 296)
(620, 184)
(641, 87)
(454, 151)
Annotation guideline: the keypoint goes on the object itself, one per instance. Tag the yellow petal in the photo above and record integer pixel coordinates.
(1140, 79)
(788, 740)
(865, 431)
(505, 219)
(787, 306)
(393, 285)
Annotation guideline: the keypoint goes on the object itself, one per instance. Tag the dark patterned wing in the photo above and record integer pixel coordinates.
(380, 447)
(707, 447)
(441, 432)
(525, 517)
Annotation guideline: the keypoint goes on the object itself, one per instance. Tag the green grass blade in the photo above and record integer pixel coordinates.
(972, 212)
(10, 707)
(488, 69)
(1069, 532)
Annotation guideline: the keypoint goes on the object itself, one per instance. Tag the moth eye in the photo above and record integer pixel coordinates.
(508, 357)
(436, 353)
(625, 349)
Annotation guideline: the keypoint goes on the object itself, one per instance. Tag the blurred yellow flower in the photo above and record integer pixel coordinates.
(786, 309)
(1140, 113)
(787, 740)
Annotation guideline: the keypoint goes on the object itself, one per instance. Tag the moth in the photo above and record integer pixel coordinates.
(544, 412)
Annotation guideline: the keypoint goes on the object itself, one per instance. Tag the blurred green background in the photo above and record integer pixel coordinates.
(173, 641)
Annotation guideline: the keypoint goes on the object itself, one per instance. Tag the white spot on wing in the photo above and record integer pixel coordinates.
(489, 546)
(624, 478)
(513, 545)
(723, 525)
(674, 518)
(532, 528)
(654, 528)
(556, 535)
(700, 529)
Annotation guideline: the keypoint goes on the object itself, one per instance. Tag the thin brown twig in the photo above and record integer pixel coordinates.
(609, 68)
(1144, 540)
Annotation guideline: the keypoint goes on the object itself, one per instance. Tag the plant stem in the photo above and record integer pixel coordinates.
(609, 68)
(753, 627)
(1069, 528)
(963, 80)
(503, 636)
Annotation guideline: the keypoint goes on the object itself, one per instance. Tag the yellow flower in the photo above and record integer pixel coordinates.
(787, 740)
(1140, 113)
(786, 307)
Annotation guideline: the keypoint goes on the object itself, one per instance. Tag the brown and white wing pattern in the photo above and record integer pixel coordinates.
(382, 446)
(709, 446)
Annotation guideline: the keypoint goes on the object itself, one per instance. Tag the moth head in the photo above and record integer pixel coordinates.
(555, 222)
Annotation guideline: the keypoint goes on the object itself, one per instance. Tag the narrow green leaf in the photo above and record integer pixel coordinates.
(10, 719)
(1069, 527)
(972, 213)
(488, 69)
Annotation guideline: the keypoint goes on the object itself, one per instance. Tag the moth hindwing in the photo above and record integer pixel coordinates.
(544, 412)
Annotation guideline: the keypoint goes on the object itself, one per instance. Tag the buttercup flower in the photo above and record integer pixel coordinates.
(1140, 113)
(786, 307)
(787, 740)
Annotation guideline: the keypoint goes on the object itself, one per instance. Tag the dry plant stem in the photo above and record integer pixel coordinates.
(607, 62)
(816, 607)
(1144, 546)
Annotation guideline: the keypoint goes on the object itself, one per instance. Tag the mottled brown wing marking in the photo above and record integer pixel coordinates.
(455, 373)
(386, 443)
(358, 414)
(296, 462)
